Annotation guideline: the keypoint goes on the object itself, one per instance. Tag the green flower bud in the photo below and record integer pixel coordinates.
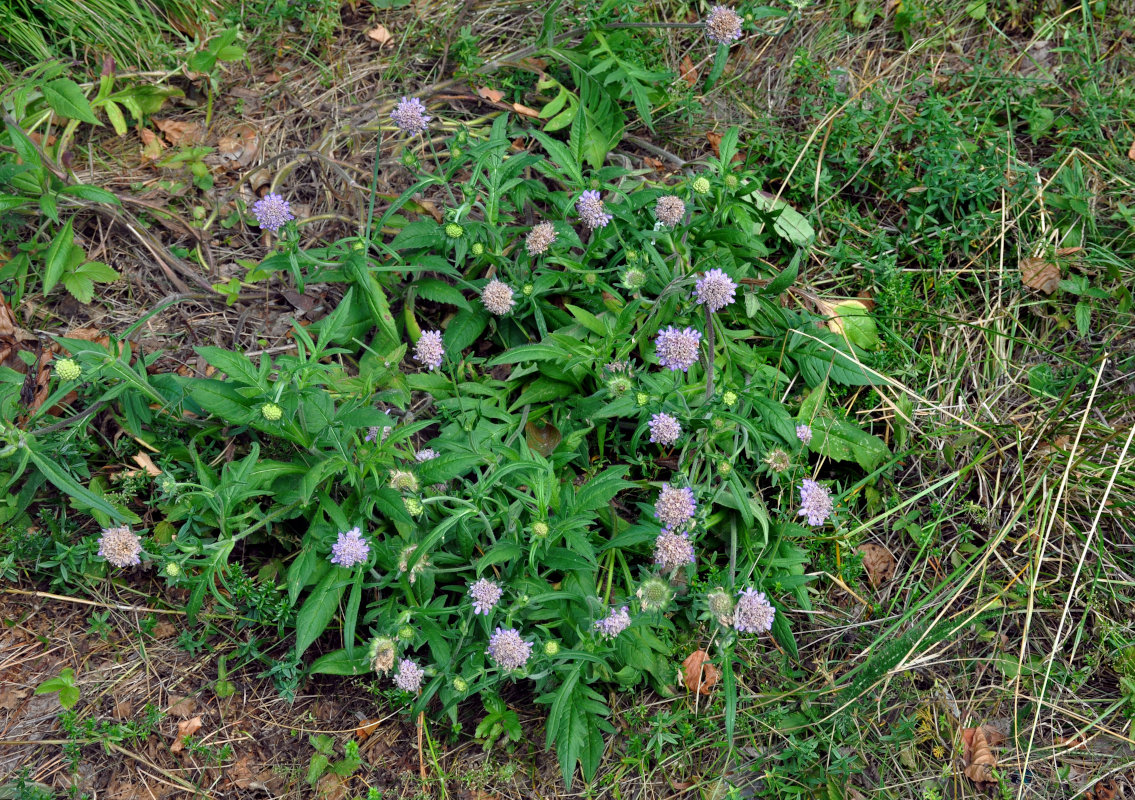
(454, 231)
(634, 279)
(701, 185)
(271, 412)
(642, 398)
(477, 249)
(730, 399)
(540, 529)
(409, 159)
(619, 385)
(357, 246)
(455, 152)
(718, 423)
(403, 481)
(731, 182)
(551, 647)
(724, 468)
(632, 257)
(68, 369)
(172, 570)
(413, 505)
(406, 633)
(527, 289)
(460, 685)
(590, 278)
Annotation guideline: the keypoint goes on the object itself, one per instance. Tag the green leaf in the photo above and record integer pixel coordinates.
(463, 330)
(782, 632)
(601, 490)
(57, 255)
(67, 100)
(786, 278)
(543, 390)
(790, 224)
(10, 201)
(418, 234)
(839, 440)
(81, 287)
(856, 322)
(116, 117)
(92, 193)
(71, 487)
(441, 292)
(588, 320)
(236, 365)
(337, 662)
(1083, 318)
(319, 608)
(528, 352)
(97, 272)
(446, 468)
(221, 399)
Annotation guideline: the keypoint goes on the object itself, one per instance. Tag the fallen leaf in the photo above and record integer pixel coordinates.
(653, 163)
(185, 729)
(331, 787)
(11, 697)
(144, 461)
(976, 752)
(179, 132)
(152, 145)
(366, 728)
(1036, 273)
(688, 71)
(1107, 789)
(525, 110)
(379, 34)
(430, 207)
(699, 674)
(542, 438)
(239, 146)
(182, 707)
(1131, 151)
(164, 630)
(714, 142)
(492, 95)
(878, 562)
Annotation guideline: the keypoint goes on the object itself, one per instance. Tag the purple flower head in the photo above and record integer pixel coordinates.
(673, 550)
(815, 502)
(425, 454)
(715, 290)
(429, 349)
(753, 612)
(664, 429)
(675, 506)
(272, 211)
(591, 210)
(508, 649)
(614, 623)
(409, 676)
(540, 238)
(486, 594)
(804, 434)
(498, 297)
(120, 546)
(723, 25)
(410, 116)
(677, 349)
(669, 210)
(350, 549)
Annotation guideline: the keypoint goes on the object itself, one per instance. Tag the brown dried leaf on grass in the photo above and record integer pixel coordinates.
(878, 562)
(688, 71)
(379, 34)
(239, 146)
(1040, 274)
(182, 707)
(977, 753)
(1131, 151)
(152, 145)
(542, 438)
(492, 95)
(698, 673)
(525, 110)
(179, 132)
(185, 729)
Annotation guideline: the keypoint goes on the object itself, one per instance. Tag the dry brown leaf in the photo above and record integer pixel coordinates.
(152, 145)
(977, 753)
(185, 729)
(1107, 789)
(1037, 273)
(492, 95)
(379, 34)
(698, 673)
(11, 697)
(542, 438)
(688, 71)
(525, 110)
(430, 207)
(123, 709)
(878, 562)
(366, 728)
(182, 707)
(714, 142)
(239, 146)
(164, 630)
(179, 132)
(653, 163)
(331, 787)
(1131, 151)
(144, 461)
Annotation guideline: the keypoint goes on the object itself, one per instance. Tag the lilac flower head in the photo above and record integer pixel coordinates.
(508, 649)
(120, 546)
(425, 454)
(673, 550)
(723, 25)
(753, 613)
(614, 623)
(486, 594)
(715, 290)
(804, 434)
(815, 502)
(674, 506)
(591, 210)
(350, 548)
(664, 429)
(374, 434)
(677, 349)
(669, 210)
(429, 349)
(497, 297)
(410, 116)
(272, 211)
(409, 676)
(540, 238)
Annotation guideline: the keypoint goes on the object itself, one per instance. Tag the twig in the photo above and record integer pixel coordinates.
(80, 600)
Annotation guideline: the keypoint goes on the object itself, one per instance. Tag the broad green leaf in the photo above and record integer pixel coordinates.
(92, 193)
(66, 99)
(543, 390)
(97, 271)
(319, 608)
(234, 364)
(840, 440)
(441, 292)
(855, 321)
(463, 330)
(81, 287)
(71, 487)
(116, 117)
(600, 490)
(338, 662)
(58, 253)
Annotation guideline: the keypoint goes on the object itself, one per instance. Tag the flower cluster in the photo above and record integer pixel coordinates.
(425, 454)
(677, 349)
(410, 116)
(715, 290)
(673, 550)
(614, 623)
(664, 429)
(675, 506)
(271, 212)
(815, 502)
(120, 546)
(486, 594)
(723, 25)
(498, 297)
(669, 210)
(804, 434)
(540, 238)
(591, 210)
(753, 612)
(409, 676)
(429, 349)
(350, 549)
(508, 649)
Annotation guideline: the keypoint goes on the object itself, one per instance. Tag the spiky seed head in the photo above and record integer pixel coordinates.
(540, 238)
(271, 412)
(721, 606)
(454, 231)
(120, 546)
(633, 279)
(669, 210)
(68, 369)
(700, 185)
(381, 654)
(654, 595)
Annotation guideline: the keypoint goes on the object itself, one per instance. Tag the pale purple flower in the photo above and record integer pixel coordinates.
(425, 454)
(591, 210)
(664, 429)
(753, 612)
(373, 433)
(815, 502)
(486, 594)
(677, 349)
(410, 116)
(120, 546)
(498, 297)
(675, 506)
(614, 623)
(715, 290)
(723, 25)
(429, 349)
(540, 238)
(673, 550)
(508, 649)
(669, 210)
(272, 211)
(350, 549)
(409, 676)
(804, 434)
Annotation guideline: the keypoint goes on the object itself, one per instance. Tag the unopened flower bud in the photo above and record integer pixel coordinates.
(729, 398)
(172, 570)
(68, 369)
(460, 685)
(539, 529)
(634, 279)
(731, 181)
(413, 506)
(454, 231)
(724, 468)
(527, 289)
(551, 647)
(271, 412)
(406, 633)
(477, 249)
(701, 185)
(590, 279)
(642, 398)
